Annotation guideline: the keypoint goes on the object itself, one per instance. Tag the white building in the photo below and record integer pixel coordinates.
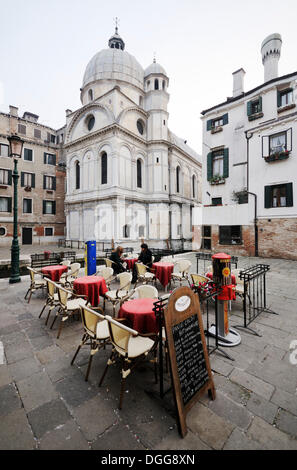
(128, 176)
(250, 144)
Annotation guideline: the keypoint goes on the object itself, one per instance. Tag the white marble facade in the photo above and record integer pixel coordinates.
(123, 162)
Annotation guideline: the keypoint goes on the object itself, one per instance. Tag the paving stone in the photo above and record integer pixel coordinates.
(61, 368)
(95, 416)
(9, 399)
(262, 408)
(64, 437)
(174, 442)
(287, 422)
(8, 330)
(238, 440)
(41, 342)
(15, 432)
(119, 437)
(220, 366)
(270, 437)
(277, 373)
(48, 416)
(210, 428)
(15, 353)
(231, 411)
(24, 368)
(36, 390)
(252, 383)
(5, 377)
(231, 389)
(75, 391)
(285, 400)
(50, 354)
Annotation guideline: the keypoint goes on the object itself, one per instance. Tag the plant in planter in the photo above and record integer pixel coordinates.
(239, 197)
(217, 179)
(281, 155)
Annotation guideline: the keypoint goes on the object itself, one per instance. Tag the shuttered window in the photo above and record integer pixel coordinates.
(284, 97)
(27, 180)
(218, 164)
(254, 106)
(217, 122)
(5, 176)
(5, 204)
(49, 158)
(277, 143)
(28, 155)
(49, 207)
(49, 182)
(280, 195)
(27, 206)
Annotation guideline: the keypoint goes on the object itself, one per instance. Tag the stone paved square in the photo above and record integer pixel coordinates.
(45, 402)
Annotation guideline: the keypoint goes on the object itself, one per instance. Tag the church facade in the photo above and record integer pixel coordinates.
(129, 178)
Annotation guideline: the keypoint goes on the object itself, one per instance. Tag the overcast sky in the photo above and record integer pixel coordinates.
(45, 46)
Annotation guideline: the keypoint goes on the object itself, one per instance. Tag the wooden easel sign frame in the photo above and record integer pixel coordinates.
(190, 368)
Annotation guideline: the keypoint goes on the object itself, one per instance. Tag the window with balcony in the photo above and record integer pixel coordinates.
(216, 124)
(277, 146)
(218, 166)
(254, 109)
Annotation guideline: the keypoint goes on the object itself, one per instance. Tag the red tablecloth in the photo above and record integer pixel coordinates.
(140, 314)
(233, 278)
(130, 262)
(92, 287)
(54, 272)
(163, 272)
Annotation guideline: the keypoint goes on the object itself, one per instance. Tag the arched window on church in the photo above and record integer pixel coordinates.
(139, 173)
(104, 168)
(91, 95)
(126, 231)
(148, 84)
(194, 186)
(177, 178)
(140, 101)
(77, 175)
(156, 84)
(163, 84)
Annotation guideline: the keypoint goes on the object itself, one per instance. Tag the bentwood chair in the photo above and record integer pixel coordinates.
(143, 274)
(68, 278)
(107, 274)
(121, 294)
(52, 300)
(145, 292)
(96, 333)
(130, 347)
(183, 266)
(69, 303)
(35, 284)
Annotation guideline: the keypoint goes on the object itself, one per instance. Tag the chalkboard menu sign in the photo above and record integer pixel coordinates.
(190, 368)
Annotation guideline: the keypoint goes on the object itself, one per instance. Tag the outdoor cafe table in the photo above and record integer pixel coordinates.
(163, 272)
(140, 314)
(54, 272)
(130, 262)
(92, 287)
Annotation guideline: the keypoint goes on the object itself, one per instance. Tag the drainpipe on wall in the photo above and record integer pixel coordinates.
(255, 224)
(248, 136)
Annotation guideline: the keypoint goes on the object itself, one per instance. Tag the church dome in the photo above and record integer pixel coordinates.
(154, 68)
(115, 64)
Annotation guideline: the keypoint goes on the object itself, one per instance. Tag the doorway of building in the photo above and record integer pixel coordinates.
(27, 236)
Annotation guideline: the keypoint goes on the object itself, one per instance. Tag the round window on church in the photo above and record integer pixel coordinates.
(90, 122)
(140, 126)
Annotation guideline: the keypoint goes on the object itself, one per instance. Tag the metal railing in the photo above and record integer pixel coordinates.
(254, 294)
(208, 257)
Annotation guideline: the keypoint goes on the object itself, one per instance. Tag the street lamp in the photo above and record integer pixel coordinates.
(15, 151)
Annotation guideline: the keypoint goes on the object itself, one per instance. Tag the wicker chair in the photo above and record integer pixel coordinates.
(96, 333)
(183, 266)
(129, 346)
(35, 283)
(143, 274)
(68, 278)
(69, 303)
(121, 294)
(145, 291)
(52, 300)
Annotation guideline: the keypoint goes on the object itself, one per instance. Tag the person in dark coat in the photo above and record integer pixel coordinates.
(116, 258)
(145, 257)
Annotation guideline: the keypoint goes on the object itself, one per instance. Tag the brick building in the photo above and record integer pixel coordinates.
(250, 167)
(41, 184)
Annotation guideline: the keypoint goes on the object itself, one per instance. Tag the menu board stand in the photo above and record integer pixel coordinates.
(190, 368)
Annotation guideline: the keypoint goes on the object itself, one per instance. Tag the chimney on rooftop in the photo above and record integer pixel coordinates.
(238, 78)
(13, 110)
(270, 50)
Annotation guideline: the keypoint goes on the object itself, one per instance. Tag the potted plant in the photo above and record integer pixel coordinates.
(217, 179)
